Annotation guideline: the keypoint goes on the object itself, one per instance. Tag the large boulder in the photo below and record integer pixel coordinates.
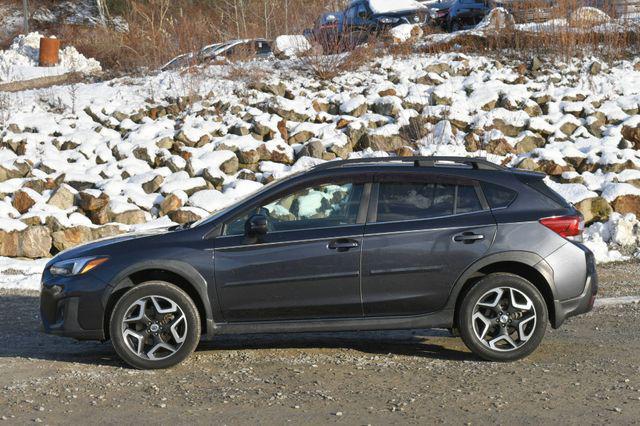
(595, 209)
(498, 19)
(70, 237)
(24, 199)
(33, 242)
(629, 203)
(632, 134)
(92, 200)
(63, 198)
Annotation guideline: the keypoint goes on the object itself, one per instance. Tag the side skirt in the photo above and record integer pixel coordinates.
(441, 319)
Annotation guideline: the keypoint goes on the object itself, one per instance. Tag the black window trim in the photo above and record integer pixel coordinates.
(372, 216)
(485, 201)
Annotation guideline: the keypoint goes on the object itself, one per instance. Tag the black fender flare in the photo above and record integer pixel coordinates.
(528, 258)
(183, 269)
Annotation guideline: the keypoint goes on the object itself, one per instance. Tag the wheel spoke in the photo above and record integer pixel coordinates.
(498, 296)
(521, 331)
(139, 340)
(174, 329)
(486, 322)
(152, 352)
(141, 305)
(523, 306)
(173, 307)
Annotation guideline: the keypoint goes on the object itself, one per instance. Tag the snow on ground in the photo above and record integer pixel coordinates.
(20, 61)
(21, 274)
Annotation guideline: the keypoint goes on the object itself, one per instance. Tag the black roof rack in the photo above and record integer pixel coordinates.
(474, 162)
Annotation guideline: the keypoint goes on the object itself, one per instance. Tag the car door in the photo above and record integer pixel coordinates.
(421, 234)
(307, 266)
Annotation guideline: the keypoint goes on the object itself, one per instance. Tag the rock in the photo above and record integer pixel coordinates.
(507, 128)
(34, 242)
(355, 107)
(632, 135)
(153, 185)
(595, 68)
(300, 137)
(381, 142)
(341, 150)
(184, 215)
(499, 147)
(388, 105)
(24, 199)
(71, 237)
(438, 68)
(240, 130)
(528, 164)
(171, 203)
(627, 204)
(230, 166)
(64, 197)
(129, 217)
(277, 89)
(106, 231)
(249, 156)
(405, 151)
(100, 216)
(536, 64)
(529, 142)
(595, 209)
(90, 201)
(472, 142)
(313, 149)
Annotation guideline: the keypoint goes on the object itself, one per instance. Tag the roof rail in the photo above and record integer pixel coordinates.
(474, 162)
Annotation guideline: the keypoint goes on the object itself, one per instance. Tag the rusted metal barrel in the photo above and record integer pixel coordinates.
(49, 52)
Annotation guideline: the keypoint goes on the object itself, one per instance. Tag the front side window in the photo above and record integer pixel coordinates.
(420, 200)
(320, 206)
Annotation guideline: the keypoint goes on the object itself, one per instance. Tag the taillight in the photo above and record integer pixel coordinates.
(566, 226)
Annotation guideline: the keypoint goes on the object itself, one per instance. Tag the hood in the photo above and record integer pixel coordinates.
(441, 5)
(94, 247)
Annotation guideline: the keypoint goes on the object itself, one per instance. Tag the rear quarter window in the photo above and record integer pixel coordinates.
(498, 196)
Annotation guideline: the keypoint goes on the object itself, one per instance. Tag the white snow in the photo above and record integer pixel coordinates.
(20, 61)
(291, 45)
(393, 6)
(21, 274)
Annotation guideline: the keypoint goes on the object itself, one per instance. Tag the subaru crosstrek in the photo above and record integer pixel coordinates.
(368, 244)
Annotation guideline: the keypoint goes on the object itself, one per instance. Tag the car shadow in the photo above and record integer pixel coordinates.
(20, 329)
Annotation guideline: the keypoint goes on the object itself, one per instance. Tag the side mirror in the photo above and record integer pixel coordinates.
(256, 225)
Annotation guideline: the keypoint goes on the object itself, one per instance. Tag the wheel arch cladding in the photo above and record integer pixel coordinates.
(139, 276)
(528, 272)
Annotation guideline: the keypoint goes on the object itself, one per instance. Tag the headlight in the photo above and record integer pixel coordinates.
(81, 265)
(388, 20)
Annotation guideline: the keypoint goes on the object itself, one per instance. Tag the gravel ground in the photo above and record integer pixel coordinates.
(585, 373)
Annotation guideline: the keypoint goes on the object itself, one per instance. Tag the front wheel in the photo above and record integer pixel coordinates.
(154, 325)
(502, 318)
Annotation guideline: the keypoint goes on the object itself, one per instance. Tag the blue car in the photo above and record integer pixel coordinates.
(455, 15)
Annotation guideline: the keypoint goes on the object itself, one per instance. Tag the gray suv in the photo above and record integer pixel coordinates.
(367, 244)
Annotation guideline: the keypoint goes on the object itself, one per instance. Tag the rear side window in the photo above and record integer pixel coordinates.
(541, 187)
(411, 201)
(498, 196)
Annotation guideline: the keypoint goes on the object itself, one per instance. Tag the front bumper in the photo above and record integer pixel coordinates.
(72, 307)
(584, 302)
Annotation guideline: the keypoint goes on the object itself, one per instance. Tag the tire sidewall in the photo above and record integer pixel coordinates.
(483, 286)
(155, 288)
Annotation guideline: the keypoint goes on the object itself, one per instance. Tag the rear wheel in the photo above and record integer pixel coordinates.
(503, 318)
(154, 325)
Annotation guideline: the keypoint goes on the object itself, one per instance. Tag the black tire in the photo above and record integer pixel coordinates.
(489, 287)
(165, 292)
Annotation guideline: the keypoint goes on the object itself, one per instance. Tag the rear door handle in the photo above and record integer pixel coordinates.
(468, 237)
(343, 244)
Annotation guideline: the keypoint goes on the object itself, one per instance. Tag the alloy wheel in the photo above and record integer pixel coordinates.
(154, 327)
(504, 319)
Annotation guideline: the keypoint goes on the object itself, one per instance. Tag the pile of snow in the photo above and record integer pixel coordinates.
(607, 239)
(588, 16)
(20, 61)
(393, 6)
(290, 46)
(405, 32)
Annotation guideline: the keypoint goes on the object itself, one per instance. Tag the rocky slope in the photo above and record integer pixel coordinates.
(87, 161)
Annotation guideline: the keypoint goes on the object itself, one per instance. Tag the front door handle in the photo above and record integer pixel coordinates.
(343, 244)
(468, 237)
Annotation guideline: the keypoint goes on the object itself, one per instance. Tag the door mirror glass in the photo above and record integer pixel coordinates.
(256, 225)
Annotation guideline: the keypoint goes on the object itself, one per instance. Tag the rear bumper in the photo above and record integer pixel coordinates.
(584, 302)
